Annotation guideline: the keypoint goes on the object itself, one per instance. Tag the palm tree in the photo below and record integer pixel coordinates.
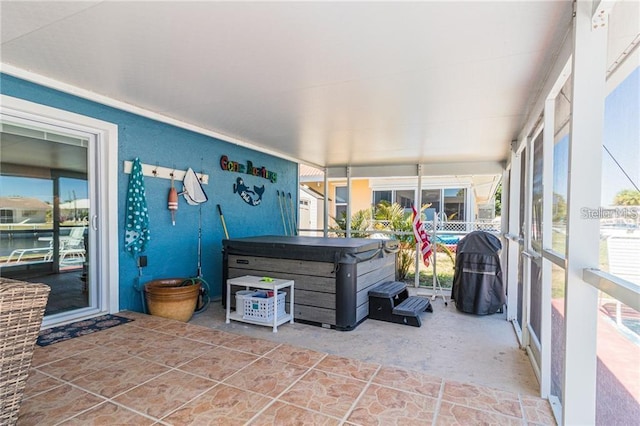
(396, 219)
(627, 197)
(392, 214)
(390, 217)
(360, 222)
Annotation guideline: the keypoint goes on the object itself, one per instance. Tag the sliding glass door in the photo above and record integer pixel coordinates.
(45, 212)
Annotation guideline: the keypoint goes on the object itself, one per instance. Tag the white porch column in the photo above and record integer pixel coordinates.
(348, 234)
(547, 235)
(504, 225)
(325, 227)
(585, 164)
(525, 258)
(513, 231)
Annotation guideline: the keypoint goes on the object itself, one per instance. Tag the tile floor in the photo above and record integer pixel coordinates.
(478, 349)
(157, 371)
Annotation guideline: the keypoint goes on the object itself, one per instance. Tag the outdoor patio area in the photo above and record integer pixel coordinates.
(455, 369)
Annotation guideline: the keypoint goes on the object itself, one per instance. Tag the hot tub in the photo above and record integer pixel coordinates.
(332, 275)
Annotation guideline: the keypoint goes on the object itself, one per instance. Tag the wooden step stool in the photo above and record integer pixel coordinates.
(391, 302)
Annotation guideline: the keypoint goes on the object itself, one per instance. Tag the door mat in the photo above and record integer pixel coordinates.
(79, 328)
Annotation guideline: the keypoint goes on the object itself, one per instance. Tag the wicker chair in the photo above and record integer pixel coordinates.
(21, 310)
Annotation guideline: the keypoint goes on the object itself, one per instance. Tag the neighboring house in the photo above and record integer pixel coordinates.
(311, 215)
(22, 210)
(75, 210)
(455, 198)
(311, 199)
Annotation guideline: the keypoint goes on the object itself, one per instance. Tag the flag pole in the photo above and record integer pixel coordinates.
(416, 278)
(433, 256)
(418, 261)
(436, 282)
(419, 204)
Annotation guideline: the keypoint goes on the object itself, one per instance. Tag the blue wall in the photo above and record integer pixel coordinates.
(172, 251)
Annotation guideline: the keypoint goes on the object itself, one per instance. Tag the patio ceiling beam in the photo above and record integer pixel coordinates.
(428, 169)
(464, 168)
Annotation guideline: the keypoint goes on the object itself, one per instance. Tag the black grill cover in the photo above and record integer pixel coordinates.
(477, 281)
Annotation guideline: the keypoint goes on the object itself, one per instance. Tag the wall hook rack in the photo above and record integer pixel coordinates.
(154, 170)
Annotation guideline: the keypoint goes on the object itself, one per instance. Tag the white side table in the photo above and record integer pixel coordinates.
(250, 281)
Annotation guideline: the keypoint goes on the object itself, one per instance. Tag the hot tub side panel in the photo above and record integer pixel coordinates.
(322, 295)
(370, 274)
(315, 283)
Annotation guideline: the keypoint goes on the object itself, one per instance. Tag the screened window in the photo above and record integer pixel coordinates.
(6, 216)
(379, 196)
(536, 201)
(454, 203)
(342, 199)
(405, 198)
(451, 202)
(561, 168)
(618, 213)
(431, 198)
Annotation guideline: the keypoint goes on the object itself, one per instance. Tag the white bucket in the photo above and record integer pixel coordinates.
(240, 296)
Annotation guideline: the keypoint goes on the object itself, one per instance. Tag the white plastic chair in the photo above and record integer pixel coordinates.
(72, 250)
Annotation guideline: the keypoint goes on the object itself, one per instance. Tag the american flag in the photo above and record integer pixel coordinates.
(421, 236)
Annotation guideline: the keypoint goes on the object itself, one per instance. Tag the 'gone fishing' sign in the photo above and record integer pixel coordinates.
(248, 168)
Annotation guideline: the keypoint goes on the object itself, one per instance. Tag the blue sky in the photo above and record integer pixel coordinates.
(622, 138)
(42, 189)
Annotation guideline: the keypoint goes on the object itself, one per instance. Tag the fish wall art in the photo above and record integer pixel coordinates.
(253, 198)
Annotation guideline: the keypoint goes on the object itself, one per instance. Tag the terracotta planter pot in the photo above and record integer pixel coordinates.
(167, 298)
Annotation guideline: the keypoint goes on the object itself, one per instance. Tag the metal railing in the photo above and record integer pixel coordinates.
(464, 227)
(460, 227)
(452, 227)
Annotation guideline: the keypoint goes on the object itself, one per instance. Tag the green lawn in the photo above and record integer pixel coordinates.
(444, 267)
(557, 273)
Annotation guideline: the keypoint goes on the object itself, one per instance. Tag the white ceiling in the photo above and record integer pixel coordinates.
(328, 83)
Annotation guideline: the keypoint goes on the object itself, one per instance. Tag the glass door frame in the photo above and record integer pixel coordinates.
(532, 343)
(103, 219)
